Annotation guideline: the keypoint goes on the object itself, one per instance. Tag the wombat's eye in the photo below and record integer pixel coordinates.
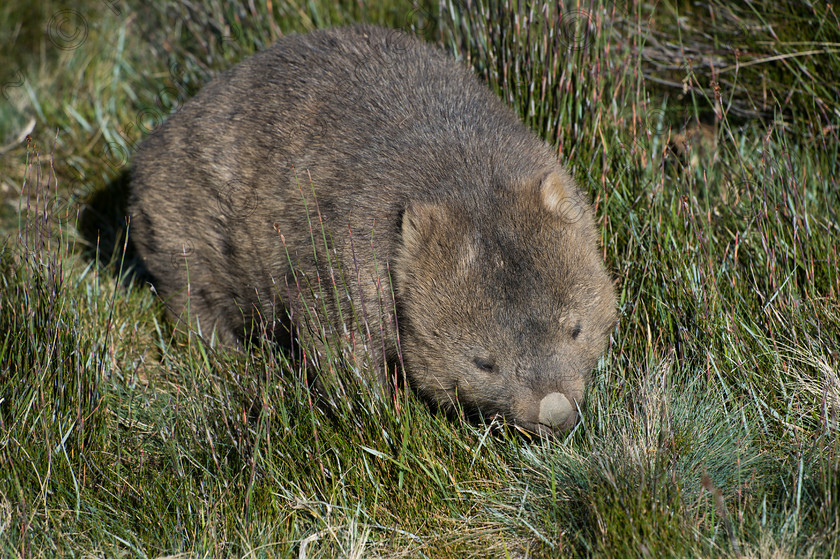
(487, 365)
(575, 331)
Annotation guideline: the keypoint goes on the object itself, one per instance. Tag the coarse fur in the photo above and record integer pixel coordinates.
(370, 187)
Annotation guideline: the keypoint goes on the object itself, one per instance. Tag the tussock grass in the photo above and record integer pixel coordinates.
(706, 135)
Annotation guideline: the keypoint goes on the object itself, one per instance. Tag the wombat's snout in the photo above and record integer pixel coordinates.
(556, 410)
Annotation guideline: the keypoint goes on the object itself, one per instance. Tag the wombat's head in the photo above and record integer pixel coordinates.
(505, 304)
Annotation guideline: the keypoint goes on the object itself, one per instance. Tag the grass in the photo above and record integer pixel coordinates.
(706, 135)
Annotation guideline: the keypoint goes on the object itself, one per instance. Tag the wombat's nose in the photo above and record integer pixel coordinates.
(555, 409)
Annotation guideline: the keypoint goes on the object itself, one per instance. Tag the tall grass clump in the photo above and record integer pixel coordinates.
(705, 134)
(52, 402)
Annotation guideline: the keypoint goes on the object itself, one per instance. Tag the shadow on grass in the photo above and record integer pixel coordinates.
(103, 223)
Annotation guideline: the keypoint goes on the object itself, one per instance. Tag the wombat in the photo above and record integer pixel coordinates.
(357, 182)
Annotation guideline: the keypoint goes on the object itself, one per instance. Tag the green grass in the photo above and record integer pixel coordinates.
(711, 427)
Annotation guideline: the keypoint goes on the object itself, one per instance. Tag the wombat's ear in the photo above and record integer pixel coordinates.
(420, 220)
(560, 197)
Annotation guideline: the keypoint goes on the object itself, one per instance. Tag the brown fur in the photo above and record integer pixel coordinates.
(364, 154)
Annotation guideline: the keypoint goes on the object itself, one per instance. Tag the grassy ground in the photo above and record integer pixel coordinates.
(707, 136)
